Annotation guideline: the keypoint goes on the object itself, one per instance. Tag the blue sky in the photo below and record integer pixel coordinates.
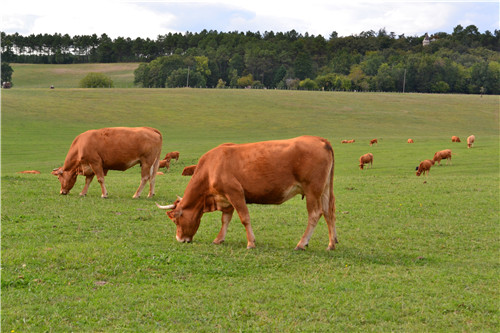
(137, 18)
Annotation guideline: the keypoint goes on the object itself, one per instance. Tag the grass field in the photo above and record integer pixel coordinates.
(415, 254)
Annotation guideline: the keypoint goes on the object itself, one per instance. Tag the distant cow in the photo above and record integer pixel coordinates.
(172, 155)
(424, 166)
(189, 170)
(164, 164)
(470, 141)
(33, 172)
(6, 85)
(348, 141)
(410, 140)
(455, 139)
(231, 176)
(443, 154)
(373, 141)
(95, 152)
(365, 159)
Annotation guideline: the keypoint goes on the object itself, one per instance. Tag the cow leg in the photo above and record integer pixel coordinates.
(88, 180)
(145, 176)
(237, 200)
(226, 218)
(99, 172)
(314, 213)
(152, 178)
(329, 214)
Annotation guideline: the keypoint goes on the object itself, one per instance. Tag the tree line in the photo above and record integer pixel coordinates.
(465, 61)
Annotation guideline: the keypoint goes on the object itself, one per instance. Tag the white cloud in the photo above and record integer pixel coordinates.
(136, 18)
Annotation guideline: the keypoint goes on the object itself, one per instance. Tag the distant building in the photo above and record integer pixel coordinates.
(427, 40)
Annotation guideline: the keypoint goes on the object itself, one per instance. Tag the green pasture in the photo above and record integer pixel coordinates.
(69, 76)
(416, 254)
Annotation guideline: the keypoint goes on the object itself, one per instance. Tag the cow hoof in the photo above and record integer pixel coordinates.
(218, 242)
(298, 248)
(83, 194)
(330, 248)
(251, 246)
(104, 196)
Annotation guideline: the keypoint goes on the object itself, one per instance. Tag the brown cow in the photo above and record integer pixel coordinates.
(410, 140)
(348, 141)
(95, 152)
(231, 176)
(424, 166)
(189, 170)
(164, 164)
(470, 141)
(438, 156)
(373, 141)
(365, 159)
(172, 155)
(455, 139)
(33, 172)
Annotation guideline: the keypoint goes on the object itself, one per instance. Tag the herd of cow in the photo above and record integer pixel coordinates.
(425, 165)
(226, 178)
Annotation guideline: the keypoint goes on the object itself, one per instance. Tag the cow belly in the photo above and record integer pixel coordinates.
(274, 196)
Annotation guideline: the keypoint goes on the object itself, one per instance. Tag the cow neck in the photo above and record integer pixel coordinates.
(71, 162)
(194, 196)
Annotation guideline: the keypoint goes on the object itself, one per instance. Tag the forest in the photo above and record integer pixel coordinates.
(465, 61)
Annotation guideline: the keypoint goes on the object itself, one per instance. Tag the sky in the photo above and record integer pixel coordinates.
(149, 19)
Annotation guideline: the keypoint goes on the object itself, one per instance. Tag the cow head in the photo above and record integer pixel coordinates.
(187, 219)
(66, 178)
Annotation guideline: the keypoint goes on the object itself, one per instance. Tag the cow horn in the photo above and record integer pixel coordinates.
(165, 207)
(180, 198)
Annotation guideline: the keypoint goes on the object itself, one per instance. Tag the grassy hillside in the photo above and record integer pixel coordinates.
(415, 253)
(69, 76)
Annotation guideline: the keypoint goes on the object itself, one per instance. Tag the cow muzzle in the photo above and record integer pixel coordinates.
(63, 192)
(184, 239)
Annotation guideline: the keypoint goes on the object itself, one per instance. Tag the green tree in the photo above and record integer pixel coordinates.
(96, 80)
(6, 72)
(308, 84)
(245, 81)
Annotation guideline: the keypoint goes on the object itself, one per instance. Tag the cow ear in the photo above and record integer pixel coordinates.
(57, 171)
(173, 214)
(210, 204)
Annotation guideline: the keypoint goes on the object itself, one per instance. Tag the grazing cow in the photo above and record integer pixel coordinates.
(373, 141)
(189, 170)
(424, 166)
(365, 159)
(438, 156)
(455, 139)
(95, 152)
(470, 141)
(164, 164)
(230, 176)
(172, 155)
(348, 141)
(6, 85)
(410, 140)
(33, 172)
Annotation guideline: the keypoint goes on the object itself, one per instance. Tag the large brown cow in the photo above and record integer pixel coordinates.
(470, 141)
(365, 159)
(95, 152)
(230, 176)
(424, 166)
(441, 155)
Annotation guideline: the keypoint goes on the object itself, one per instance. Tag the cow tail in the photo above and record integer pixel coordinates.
(331, 196)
